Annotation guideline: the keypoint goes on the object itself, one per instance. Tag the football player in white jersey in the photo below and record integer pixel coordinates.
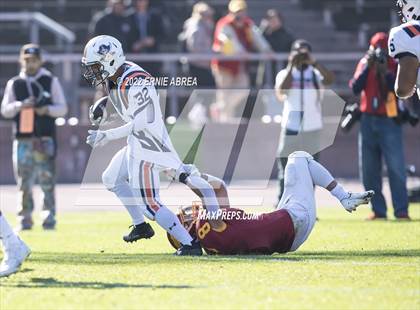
(404, 45)
(133, 173)
(15, 251)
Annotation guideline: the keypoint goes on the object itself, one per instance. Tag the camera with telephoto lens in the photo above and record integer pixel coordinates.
(353, 114)
(410, 117)
(379, 55)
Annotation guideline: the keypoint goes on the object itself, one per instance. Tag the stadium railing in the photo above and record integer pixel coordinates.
(36, 21)
(67, 67)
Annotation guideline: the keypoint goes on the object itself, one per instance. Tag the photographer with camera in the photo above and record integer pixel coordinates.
(380, 134)
(300, 87)
(33, 99)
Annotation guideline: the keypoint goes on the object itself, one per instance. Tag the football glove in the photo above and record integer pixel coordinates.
(97, 138)
(182, 172)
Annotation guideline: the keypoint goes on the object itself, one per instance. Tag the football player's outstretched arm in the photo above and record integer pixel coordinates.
(220, 190)
(137, 124)
(103, 137)
(406, 76)
(403, 47)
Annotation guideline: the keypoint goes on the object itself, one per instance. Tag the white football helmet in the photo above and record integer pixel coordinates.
(409, 9)
(102, 57)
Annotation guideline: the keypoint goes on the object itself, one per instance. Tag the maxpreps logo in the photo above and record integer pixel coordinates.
(226, 214)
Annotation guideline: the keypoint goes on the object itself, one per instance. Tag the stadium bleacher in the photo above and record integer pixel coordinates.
(348, 17)
(76, 15)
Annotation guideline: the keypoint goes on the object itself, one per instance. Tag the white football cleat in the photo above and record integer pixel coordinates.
(14, 256)
(354, 200)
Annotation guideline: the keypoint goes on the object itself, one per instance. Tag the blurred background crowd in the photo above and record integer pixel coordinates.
(148, 27)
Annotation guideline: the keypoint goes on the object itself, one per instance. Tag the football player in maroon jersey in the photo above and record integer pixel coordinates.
(231, 231)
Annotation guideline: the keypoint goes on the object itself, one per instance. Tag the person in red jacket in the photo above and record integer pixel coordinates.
(380, 134)
(235, 34)
(230, 231)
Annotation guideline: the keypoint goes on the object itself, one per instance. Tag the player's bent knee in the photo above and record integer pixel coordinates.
(109, 180)
(290, 177)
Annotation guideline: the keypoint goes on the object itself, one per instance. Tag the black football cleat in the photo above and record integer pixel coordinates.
(141, 231)
(190, 250)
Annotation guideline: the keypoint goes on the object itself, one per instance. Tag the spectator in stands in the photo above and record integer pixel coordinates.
(272, 27)
(149, 31)
(380, 135)
(300, 86)
(33, 99)
(113, 21)
(198, 38)
(235, 34)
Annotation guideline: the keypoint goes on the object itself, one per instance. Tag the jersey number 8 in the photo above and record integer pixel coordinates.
(204, 230)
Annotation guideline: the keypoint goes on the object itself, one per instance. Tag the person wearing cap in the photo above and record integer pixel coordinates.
(299, 86)
(380, 136)
(235, 34)
(34, 99)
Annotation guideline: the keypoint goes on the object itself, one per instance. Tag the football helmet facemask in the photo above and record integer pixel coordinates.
(188, 216)
(409, 10)
(102, 57)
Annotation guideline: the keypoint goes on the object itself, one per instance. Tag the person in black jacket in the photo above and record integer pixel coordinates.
(280, 40)
(114, 21)
(149, 31)
(34, 99)
(272, 27)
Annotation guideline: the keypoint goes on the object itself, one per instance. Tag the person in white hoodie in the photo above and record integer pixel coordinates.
(34, 99)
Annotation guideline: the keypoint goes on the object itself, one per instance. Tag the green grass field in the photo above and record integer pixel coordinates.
(346, 264)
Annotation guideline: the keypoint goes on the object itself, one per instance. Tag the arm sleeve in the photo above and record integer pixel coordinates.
(319, 76)
(119, 132)
(144, 112)
(138, 116)
(229, 41)
(9, 105)
(59, 105)
(260, 43)
(401, 44)
(280, 78)
(358, 83)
